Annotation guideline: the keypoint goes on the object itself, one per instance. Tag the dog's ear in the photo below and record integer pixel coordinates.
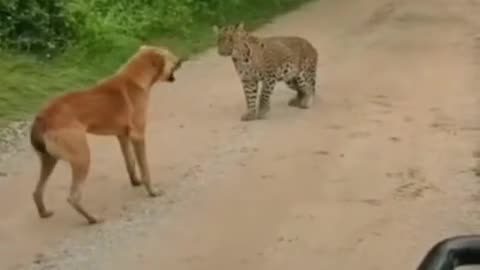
(144, 47)
(181, 61)
(184, 59)
(157, 60)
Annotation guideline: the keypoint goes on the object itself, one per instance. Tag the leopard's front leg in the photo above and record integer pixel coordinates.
(250, 89)
(267, 88)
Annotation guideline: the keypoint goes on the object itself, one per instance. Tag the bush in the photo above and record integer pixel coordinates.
(92, 38)
(38, 26)
(48, 26)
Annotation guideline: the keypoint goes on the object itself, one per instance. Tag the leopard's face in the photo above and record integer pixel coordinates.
(244, 60)
(248, 56)
(226, 37)
(225, 40)
(241, 53)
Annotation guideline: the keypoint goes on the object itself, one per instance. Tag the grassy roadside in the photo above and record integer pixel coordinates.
(26, 81)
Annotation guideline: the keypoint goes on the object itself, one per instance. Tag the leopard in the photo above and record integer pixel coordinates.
(267, 61)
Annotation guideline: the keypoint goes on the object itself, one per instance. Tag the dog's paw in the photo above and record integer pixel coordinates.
(94, 221)
(156, 193)
(135, 182)
(46, 214)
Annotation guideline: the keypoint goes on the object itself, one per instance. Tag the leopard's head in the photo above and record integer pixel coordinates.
(226, 36)
(246, 49)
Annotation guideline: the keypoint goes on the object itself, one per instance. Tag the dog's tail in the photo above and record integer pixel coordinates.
(36, 137)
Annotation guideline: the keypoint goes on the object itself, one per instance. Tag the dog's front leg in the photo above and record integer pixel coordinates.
(125, 146)
(138, 141)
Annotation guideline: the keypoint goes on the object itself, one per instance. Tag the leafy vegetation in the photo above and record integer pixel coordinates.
(49, 46)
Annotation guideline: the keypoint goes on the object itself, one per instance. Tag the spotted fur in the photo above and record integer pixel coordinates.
(292, 60)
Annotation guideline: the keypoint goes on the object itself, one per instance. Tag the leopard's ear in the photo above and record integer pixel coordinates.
(216, 29)
(248, 50)
(240, 26)
(262, 44)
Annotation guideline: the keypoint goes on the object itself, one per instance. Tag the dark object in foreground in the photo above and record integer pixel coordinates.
(452, 252)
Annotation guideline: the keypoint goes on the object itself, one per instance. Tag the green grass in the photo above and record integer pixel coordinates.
(26, 81)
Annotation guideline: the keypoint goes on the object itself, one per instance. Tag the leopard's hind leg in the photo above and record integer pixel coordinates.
(294, 85)
(307, 84)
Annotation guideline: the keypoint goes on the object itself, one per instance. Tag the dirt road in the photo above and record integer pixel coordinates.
(369, 178)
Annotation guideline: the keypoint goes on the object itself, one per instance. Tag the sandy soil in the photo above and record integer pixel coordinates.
(377, 171)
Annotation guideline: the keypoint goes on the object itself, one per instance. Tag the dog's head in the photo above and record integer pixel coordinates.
(163, 62)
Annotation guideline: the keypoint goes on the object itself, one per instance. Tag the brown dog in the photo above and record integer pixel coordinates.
(115, 106)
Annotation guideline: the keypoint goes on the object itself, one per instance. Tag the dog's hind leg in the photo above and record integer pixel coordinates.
(79, 175)
(125, 146)
(80, 163)
(47, 164)
(71, 145)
